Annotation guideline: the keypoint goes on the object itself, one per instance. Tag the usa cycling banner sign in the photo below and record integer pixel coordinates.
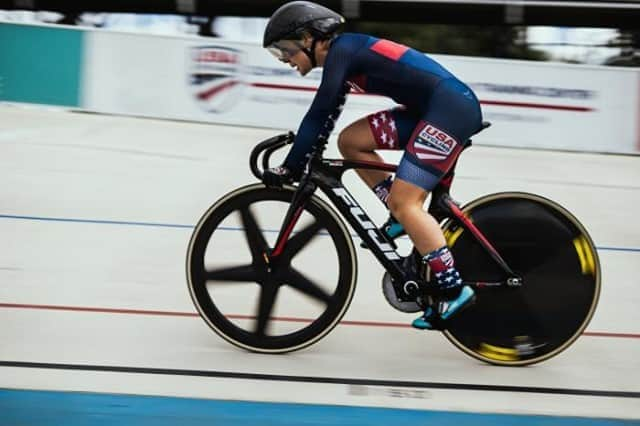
(215, 76)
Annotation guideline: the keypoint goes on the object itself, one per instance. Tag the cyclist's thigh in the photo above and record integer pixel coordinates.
(388, 129)
(452, 117)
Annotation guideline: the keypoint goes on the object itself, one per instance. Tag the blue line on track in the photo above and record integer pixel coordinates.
(226, 228)
(45, 408)
(94, 221)
(619, 249)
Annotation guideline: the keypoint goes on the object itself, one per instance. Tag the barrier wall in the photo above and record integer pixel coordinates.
(40, 64)
(531, 104)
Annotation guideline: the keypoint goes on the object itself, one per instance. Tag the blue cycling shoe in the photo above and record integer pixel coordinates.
(392, 228)
(446, 309)
(449, 307)
(425, 322)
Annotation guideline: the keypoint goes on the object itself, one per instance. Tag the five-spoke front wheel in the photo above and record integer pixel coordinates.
(267, 303)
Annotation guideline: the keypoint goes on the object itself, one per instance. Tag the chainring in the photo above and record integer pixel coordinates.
(390, 294)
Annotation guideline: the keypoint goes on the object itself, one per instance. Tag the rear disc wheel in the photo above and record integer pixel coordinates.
(557, 260)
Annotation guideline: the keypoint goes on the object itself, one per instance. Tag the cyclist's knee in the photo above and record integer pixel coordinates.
(348, 141)
(400, 207)
(405, 200)
(344, 145)
(356, 138)
(394, 205)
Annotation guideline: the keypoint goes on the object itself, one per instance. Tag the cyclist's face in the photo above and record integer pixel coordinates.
(290, 52)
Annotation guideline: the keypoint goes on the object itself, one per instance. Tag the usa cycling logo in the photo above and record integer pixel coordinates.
(215, 77)
(433, 143)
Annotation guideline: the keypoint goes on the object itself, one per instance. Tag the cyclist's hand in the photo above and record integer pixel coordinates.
(277, 176)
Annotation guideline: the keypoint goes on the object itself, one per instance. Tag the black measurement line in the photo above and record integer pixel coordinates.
(324, 380)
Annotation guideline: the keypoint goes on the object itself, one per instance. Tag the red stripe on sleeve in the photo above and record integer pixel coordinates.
(389, 49)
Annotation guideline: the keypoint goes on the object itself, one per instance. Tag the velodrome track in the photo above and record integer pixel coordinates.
(95, 216)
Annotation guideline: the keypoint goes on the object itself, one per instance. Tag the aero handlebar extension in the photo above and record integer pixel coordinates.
(269, 146)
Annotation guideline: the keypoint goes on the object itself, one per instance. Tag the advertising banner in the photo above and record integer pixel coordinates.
(530, 104)
(201, 79)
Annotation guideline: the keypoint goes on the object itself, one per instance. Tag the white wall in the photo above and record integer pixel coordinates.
(531, 104)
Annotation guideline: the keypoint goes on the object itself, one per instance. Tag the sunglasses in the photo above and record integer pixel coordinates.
(283, 50)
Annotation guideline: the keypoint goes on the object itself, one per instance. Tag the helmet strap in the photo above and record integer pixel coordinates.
(311, 53)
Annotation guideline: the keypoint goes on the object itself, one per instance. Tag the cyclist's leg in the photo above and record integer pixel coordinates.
(389, 129)
(357, 143)
(406, 203)
(452, 117)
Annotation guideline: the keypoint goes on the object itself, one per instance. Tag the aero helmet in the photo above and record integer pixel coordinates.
(293, 19)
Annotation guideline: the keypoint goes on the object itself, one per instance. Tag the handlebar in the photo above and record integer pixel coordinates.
(269, 146)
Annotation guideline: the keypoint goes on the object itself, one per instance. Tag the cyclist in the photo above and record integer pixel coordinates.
(438, 114)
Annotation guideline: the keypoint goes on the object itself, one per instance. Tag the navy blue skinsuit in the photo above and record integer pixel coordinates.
(437, 116)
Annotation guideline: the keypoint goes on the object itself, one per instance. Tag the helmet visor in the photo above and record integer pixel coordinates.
(283, 50)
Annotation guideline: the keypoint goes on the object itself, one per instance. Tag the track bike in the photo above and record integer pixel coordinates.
(533, 266)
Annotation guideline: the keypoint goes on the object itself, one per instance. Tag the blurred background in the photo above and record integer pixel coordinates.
(551, 73)
(596, 32)
(121, 122)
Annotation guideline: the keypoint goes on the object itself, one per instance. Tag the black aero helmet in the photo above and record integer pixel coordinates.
(291, 20)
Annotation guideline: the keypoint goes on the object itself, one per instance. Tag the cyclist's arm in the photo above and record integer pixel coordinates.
(325, 109)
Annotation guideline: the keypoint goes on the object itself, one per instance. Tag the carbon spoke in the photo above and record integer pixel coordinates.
(303, 284)
(267, 300)
(255, 239)
(244, 273)
(301, 239)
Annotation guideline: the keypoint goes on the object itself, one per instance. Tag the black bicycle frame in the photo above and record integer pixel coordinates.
(326, 174)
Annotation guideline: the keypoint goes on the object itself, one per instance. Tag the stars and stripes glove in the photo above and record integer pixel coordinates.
(277, 176)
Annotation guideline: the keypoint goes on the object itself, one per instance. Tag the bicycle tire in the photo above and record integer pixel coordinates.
(552, 251)
(257, 340)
